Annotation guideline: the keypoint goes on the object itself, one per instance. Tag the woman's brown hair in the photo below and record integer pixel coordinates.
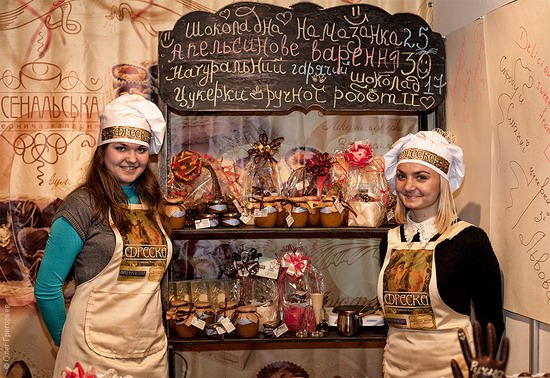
(108, 194)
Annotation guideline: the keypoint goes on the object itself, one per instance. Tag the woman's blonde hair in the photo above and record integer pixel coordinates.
(446, 208)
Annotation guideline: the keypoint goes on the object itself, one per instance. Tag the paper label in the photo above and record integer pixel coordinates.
(260, 213)
(238, 206)
(199, 323)
(289, 220)
(338, 206)
(269, 268)
(245, 218)
(219, 329)
(203, 223)
(280, 330)
(226, 323)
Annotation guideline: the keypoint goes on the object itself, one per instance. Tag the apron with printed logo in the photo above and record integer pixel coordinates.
(422, 334)
(115, 319)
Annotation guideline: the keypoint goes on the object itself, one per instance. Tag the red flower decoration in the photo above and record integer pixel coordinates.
(359, 154)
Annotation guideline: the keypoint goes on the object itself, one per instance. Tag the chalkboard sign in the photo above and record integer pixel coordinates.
(255, 56)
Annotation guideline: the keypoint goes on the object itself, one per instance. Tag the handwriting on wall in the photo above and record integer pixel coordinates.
(499, 107)
(520, 108)
(254, 56)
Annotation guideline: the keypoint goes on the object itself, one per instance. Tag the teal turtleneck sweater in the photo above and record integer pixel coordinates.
(63, 246)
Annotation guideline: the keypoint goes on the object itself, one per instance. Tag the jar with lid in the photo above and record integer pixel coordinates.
(247, 322)
(217, 206)
(171, 316)
(209, 220)
(230, 219)
(299, 215)
(330, 217)
(204, 311)
(266, 217)
(226, 309)
(183, 321)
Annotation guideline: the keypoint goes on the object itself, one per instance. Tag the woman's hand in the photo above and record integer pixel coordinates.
(486, 363)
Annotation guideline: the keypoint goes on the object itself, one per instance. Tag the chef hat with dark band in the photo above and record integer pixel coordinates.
(132, 118)
(431, 149)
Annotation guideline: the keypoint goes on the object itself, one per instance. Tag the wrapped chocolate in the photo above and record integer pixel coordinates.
(367, 192)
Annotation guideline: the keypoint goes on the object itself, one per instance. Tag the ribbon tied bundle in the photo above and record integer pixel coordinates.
(245, 264)
(263, 150)
(319, 167)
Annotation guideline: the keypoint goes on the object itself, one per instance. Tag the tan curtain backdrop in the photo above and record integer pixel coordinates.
(62, 61)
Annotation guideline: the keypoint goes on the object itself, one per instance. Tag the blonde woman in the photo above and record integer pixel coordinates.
(454, 266)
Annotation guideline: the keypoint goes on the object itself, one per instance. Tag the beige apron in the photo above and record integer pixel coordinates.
(115, 319)
(422, 335)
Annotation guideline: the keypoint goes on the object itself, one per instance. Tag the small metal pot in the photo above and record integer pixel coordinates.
(348, 322)
(350, 318)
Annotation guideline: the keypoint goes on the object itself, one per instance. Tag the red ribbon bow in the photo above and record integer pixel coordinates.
(319, 166)
(296, 263)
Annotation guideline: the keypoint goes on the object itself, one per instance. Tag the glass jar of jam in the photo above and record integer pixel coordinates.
(183, 321)
(247, 322)
(204, 311)
(217, 206)
(230, 219)
(226, 309)
(174, 303)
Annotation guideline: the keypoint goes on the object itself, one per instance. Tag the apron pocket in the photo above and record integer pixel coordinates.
(124, 325)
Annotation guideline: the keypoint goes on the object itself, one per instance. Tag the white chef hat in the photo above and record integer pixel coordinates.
(132, 118)
(429, 148)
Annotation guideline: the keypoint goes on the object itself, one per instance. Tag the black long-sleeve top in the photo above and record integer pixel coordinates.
(468, 273)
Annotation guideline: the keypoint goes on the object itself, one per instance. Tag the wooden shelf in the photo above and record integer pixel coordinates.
(367, 337)
(252, 232)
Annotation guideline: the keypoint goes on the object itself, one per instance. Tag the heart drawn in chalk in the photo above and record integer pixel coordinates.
(428, 102)
(225, 14)
(284, 18)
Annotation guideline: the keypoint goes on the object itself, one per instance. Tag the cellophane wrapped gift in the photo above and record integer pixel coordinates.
(310, 183)
(262, 181)
(298, 278)
(195, 180)
(254, 289)
(314, 179)
(367, 192)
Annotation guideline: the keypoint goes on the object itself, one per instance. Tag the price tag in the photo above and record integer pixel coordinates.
(226, 323)
(238, 206)
(280, 330)
(220, 330)
(199, 323)
(269, 268)
(289, 220)
(245, 218)
(203, 223)
(338, 206)
(260, 213)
